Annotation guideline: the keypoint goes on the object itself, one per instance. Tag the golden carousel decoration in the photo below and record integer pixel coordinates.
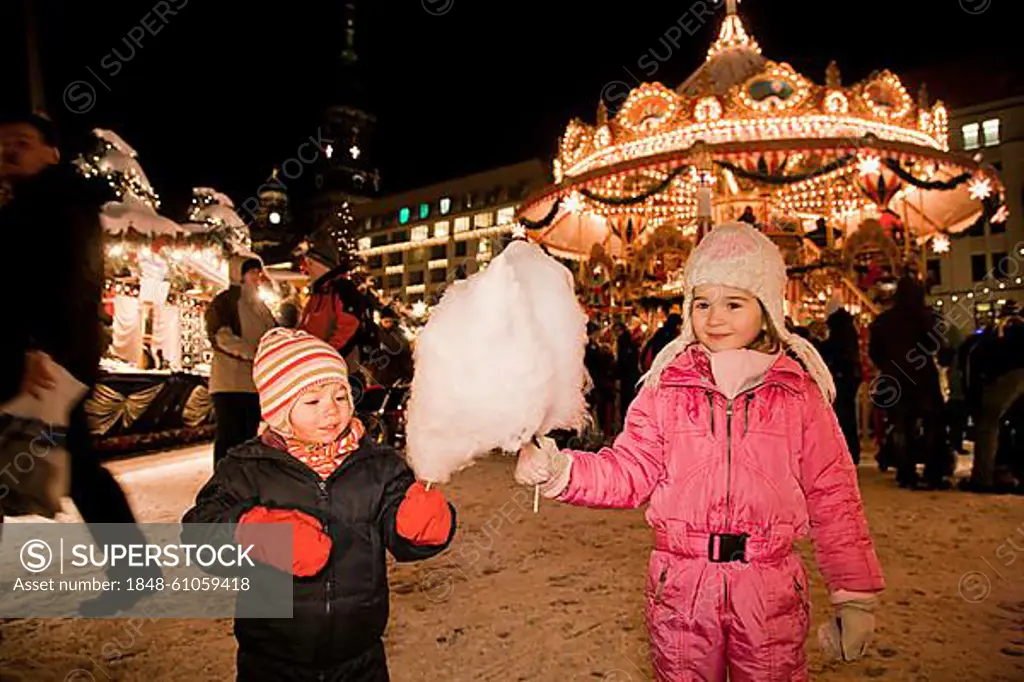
(747, 138)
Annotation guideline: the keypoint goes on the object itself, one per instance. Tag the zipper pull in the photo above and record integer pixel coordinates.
(661, 585)
(746, 412)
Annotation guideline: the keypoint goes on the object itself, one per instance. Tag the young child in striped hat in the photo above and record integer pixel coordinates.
(347, 500)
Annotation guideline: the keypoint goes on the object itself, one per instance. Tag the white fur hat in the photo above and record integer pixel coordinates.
(738, 255)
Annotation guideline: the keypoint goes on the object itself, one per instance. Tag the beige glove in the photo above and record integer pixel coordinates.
(545, 466)
(847, 637)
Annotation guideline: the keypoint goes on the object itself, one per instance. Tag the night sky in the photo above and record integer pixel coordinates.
(228, 89)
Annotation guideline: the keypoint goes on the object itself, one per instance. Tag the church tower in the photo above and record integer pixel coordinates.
(346, 171)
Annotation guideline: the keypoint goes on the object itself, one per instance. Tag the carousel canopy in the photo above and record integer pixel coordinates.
(762, 137)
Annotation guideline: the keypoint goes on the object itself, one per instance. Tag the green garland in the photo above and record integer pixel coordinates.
(639, 198)
(894, 166)
(786, 179)
(546, 220)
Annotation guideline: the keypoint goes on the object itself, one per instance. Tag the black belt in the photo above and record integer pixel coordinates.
(725, 548)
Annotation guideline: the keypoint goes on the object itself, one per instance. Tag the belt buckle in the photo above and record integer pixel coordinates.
(730, 548)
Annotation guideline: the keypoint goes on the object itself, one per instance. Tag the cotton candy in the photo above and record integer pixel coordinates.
(500, 361)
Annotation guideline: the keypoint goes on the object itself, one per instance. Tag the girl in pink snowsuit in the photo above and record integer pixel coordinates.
(733, 444)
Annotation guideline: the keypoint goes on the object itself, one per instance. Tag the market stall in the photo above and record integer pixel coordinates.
(159, 278)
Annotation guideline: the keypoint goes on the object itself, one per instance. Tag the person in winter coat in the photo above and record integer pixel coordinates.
(392, 361)
(236, 319)
(600, 365)
(52, 230)
(904, 340)
(347, 500)
(627, 367)
(841, 353)
(337, 311)
(733, 445)
(664, 336)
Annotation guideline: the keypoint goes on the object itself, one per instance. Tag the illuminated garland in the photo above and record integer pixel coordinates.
(639, 198)
(546, 220)
(894, 166)
(786, 179)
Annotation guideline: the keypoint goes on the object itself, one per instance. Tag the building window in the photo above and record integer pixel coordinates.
(420, 233)
(460, 249)
(399, 237)
(438, 251)
(415, 277)
(934, 272)
(483, 220)
(394, 281)
(446, 205)
(460, 272)
(1001, 265)
(438, 276)
(403, 216)
(970, 132)
(378, 240)
(461, 225)
(978, 267)
(441, 229)
(424, 211)
(364, 243)
(417, 256)
(396, 258)
(375, 262)
(506, 215)
(991, 130)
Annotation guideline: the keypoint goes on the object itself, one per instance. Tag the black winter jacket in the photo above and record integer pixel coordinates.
(339, 614)
(53, 237)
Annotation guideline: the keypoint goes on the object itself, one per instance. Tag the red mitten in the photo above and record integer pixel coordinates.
(311, 547)
(424, 517)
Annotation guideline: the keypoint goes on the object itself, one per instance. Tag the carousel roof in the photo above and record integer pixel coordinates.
(756, 128)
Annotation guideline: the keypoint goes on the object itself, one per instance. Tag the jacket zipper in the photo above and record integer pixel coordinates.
(728, 464)
(661, 585)
(746, 412)
(711, 405)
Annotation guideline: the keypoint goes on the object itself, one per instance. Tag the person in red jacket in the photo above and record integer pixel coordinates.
(346, 499)
(733, 444)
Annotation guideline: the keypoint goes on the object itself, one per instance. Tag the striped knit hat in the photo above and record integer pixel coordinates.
(288, 362)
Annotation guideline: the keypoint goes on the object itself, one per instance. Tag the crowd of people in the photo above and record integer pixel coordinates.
(911, 382)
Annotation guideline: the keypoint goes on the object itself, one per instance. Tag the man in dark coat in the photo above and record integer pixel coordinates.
(841, 352)
(627, 365)
(52, 228)
(904, 341)
(391, 362)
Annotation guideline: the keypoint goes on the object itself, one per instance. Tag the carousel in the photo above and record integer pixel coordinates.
(855, 183)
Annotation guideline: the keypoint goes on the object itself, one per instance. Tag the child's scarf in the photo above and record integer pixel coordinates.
(325, 458)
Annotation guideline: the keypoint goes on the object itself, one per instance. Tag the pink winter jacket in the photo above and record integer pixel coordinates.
(771, 463)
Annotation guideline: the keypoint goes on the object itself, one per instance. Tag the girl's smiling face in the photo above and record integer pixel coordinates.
(321, 413)
(725, 318)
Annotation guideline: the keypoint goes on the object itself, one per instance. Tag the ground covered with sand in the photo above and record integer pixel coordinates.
(559, 596)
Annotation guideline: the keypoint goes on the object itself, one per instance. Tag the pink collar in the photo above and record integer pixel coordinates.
(735, 370)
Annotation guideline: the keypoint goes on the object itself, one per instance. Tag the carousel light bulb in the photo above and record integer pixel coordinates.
(955, 298)
(970, 294)
(1002, 285)
(987, 290)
